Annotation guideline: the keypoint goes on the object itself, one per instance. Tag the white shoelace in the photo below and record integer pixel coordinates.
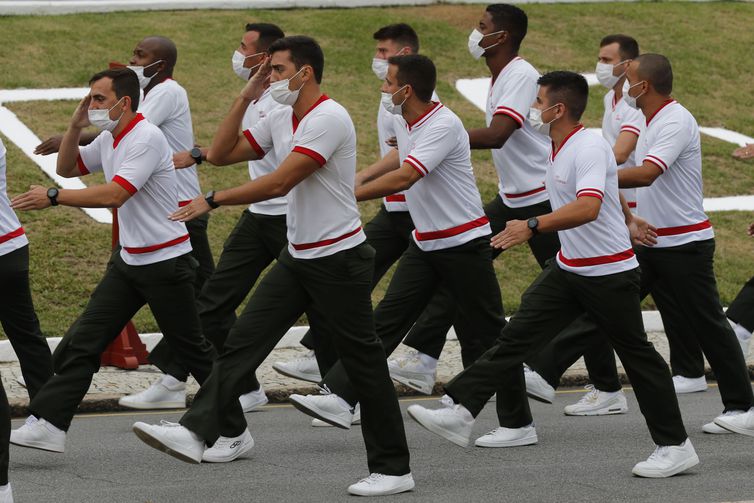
(30, 421)
(169, 424)
(372, 479)
(658, 453)
(591, 395)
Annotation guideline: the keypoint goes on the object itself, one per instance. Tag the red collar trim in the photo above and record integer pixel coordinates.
(127, 129)
(425, 115)
(671, 100)
(296, 120)
(568, 137)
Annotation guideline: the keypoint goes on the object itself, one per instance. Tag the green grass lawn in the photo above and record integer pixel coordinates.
(709, 45)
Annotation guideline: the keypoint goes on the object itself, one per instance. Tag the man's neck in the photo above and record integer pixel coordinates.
(496, 62)
(123, 123)
(618, 88)
(413, 110)
(652, 103)
(307, 97)
(156, 80)
(560, 129)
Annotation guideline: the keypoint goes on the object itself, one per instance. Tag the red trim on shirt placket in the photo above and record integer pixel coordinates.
(668, 102)
(555, 151)
(127, 129)
(296, 121)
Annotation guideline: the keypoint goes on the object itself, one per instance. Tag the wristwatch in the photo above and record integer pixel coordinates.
(196, 154)
(210, 198)
(52, 194)
(533, 223)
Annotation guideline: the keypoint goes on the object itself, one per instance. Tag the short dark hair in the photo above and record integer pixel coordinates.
(268, 33)
(628, 47)
(569, 88)
(401, 33)
(656, 69)
(418, 71)
(304, 51)
(125, 83)
(511, 19)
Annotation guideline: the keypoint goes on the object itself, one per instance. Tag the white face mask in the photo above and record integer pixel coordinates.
(475, 37)
(238, 60)
(139, 71)
(280, 92)
(605, 75)
(100, 118)
(535, 120)
(379, 67)
(631, 100)
(387, 102)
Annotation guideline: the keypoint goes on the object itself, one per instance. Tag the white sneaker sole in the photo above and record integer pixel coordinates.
(158, 444)
(240, 451)
(42, 446)
(400, 488)
(303, 376)
(691, 389)
(519, 442)
(318, 423)
(317, 414)
(413, 383)
(609, 411)
(661, 474)
(457, 439)
(732, 427)
(151, 405)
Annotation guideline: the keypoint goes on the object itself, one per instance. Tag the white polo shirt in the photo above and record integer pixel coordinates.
(619, 118)
(166, 106)
(257, 111)
(140, 160)
(584, 166)
(674, 202)
(12, 236)
(445, 204)
(322, 217)
(522, 162)
(388, 126)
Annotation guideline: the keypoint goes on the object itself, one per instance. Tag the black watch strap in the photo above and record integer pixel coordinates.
(533, 224)
(210, 198)
(52, 195)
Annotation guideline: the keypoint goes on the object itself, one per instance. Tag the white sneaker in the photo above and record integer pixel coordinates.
(714, 429)
(737, 421)
(171, 438)
(327, 407)
(536, 386)
(304, 368)
(378, 484)
(598, 403)
(667, 460)
(508, 437)
(39, 434)
(318, 423)
(226, 449)
(167, 393)
(253, 399)
(413, 371)
(689, 384)
(6, 493)
(453, 421)
(744, 337)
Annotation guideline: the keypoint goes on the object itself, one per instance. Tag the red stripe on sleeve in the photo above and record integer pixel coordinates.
(311, 153)
(253, 143)
(125, 184)
(81, 165)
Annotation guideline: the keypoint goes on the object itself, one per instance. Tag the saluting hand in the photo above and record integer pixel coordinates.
(516, 232)
(35, 199)
(258, 82)
(642, 232)
(196, 208)
(80, 117)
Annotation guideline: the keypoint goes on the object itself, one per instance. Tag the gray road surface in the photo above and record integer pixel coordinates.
(577, 459)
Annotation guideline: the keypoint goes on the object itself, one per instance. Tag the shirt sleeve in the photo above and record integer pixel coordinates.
(158, 107)
(633, 121)
(670, 141)
(141, 161)
(591, 172)
(438, 141)
(321, 138)
(90, 156)
(259, 136)
(518, 94)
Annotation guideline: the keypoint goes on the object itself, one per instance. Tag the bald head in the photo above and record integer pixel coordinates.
(655, 69)
(162, 49)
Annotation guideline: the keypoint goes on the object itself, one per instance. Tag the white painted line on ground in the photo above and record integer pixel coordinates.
(54, 94)
(476, 91)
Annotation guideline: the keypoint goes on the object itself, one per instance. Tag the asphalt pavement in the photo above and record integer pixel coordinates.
(576, 460)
